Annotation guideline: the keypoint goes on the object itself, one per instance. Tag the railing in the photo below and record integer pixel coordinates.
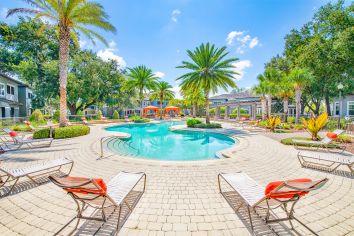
(11, 97)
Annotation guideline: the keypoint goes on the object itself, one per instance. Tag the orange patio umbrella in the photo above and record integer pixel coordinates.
(150, 108)
(172, 108)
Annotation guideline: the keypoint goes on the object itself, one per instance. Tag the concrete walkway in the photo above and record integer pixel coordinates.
(181, 198)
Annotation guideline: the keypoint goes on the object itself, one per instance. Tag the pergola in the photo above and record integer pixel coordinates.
(150, 108)
(252, 103)
(175, 110)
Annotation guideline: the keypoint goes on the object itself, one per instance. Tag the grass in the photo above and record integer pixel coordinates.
(289, 141)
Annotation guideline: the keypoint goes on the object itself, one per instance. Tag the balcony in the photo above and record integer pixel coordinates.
(11, 97)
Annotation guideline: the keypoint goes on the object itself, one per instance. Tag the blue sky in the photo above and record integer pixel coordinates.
(157, 33)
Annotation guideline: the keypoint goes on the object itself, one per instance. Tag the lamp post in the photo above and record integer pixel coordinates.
(340, 88)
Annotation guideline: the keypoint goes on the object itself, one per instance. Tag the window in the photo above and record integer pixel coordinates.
(350, 108)
(10, 90)
(29, 95)
(2, 89)
(336, 108)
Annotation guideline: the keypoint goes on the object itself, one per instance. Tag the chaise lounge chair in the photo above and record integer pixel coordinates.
(281, 194)
(327, 160)
(38, 169)
(20, 140)
(94, 193)
(324, 143)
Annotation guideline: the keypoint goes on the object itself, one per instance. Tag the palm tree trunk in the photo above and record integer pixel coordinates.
(194, 109)
(269, 102)
(264, 108)
(328, 105)
(161, 108)
(141, 96)
(298, 93)
(207, 115)
(64, 40)
(286, 107)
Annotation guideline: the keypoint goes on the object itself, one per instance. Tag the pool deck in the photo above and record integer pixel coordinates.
(181, 198)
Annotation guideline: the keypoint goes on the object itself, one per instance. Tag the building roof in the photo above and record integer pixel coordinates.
(236, 95)
(14, 79)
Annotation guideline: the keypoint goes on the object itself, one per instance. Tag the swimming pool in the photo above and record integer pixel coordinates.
(156, 141)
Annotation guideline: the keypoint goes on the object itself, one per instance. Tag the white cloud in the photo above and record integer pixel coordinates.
(82, 43)
(109, 54)
(159, 74)
(175, 14)
(241, 41)
(240, 68)
(231, 36)
(177, 90)
(254, 42)
(3, 12)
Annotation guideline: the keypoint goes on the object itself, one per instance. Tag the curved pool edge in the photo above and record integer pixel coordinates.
(226, 153)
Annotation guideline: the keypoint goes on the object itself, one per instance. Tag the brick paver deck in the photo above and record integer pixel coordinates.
(181, 198)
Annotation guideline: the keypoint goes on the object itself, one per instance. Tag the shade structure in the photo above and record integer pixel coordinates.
(172, 108)
(150, 108)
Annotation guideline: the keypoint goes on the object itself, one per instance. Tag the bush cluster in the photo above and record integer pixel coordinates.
(23, 128)
(138, 119)
(56, 116)
(192, 122)
(37, 117)
(99, 115)
(208, 126)
(63, 132)
(115, 115)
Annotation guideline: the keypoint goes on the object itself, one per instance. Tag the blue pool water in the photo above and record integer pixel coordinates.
(156, 141)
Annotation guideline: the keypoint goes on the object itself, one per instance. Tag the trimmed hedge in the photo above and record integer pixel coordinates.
(193, 122)
(289, 141)
(208, 126)
(63, 132)
(138, 119)
(23, 128)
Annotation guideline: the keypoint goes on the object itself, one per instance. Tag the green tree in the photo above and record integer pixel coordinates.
(193, 96)
(69, 16)
(161, 93)
(143, 80)
(209, 70)
(262, 91)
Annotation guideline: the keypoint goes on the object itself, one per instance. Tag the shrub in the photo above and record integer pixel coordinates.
(138, 119)
(291, 120)
(289, 141)
(99, 115)
(115, 115)
(344, 138)
(259, 116)
(298, 126)
(284, 126)
(37, 116)
(272, 122)
(233, 116)
(207, 126)
(56, 116)
(21, 128)
(333, 124)
(42, 133)
(71, 131)
(263, 123)
(192, 122)
(79, 115)
(212, 111)
(245, 115)
(315, 124)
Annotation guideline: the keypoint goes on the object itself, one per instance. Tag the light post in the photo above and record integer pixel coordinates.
(340, 88)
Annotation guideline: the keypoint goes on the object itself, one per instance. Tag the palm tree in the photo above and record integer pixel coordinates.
(284, 91)
(143, 80)
(208, 71)
(271, 81)
(69, 17)
(162, 93)
(299, 77)
(261, 90)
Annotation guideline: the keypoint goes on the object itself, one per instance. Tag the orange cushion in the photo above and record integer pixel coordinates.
(13, 133)
(332, 135)
(99, 181)
(273, 185)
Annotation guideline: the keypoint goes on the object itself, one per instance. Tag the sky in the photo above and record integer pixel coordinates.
(157, 33)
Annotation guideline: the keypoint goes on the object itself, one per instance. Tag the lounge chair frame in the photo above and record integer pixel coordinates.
(287, 205)
(308, 161)
(10, 177)
(82, 203)
(20, 141)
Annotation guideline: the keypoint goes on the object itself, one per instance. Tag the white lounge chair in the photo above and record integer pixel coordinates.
(284, 196)
(19, 141)
(324, 143)
(94, 193)
(33, 171)
(330, 161)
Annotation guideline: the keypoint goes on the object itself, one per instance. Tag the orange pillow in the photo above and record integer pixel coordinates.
(273, 185)
(99, 181)
(12, 133)
(332, 135)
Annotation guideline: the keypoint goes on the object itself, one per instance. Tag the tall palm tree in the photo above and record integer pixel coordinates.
(262, 91)
(143, 80)
(209, 70)
(284, 91)
(271, 81)
(69, 17)
(299, 77)
(195, 97)
(162, 93)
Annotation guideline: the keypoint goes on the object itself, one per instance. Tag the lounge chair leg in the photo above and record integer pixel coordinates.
(219, 183)
(12, 187)
(313, 232)
(249, 216)
(120, 211)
